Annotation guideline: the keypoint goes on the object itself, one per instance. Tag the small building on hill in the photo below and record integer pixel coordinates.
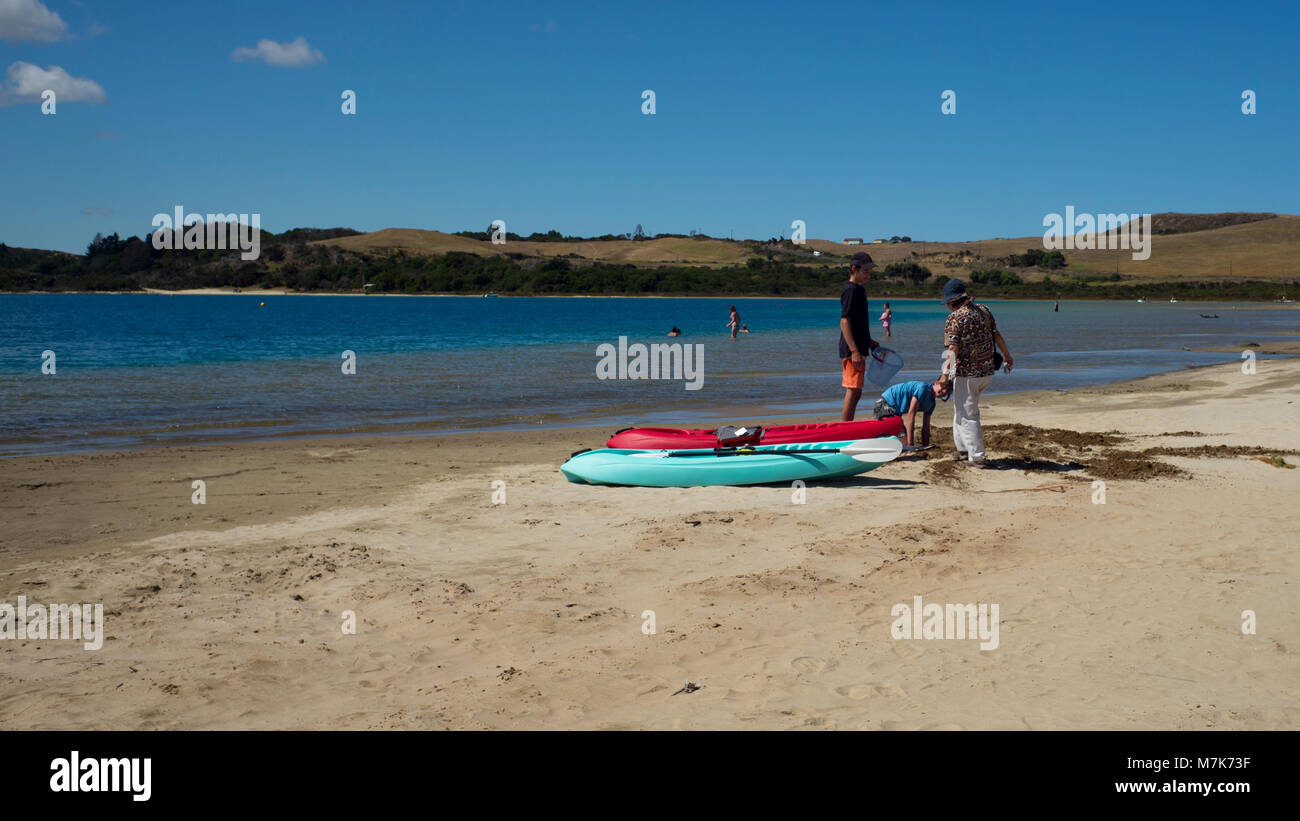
(879, 241)
(853, 240)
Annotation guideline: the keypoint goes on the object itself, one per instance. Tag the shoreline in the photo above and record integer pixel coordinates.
(881, 296)
(703, 417)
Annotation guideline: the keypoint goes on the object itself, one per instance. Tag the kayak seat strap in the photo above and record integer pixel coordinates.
(730, 436)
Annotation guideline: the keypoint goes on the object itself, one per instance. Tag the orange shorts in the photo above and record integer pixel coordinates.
(853, 374)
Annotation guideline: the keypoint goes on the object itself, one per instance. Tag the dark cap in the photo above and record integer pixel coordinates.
(861, 260)
(954, 289)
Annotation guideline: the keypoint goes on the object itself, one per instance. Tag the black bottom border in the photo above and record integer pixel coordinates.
(336, 770)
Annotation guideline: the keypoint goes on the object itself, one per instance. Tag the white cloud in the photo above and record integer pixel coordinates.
(293, 55)
(26, 82)
(29, 20)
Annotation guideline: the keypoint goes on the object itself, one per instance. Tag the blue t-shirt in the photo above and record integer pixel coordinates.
(900, 397)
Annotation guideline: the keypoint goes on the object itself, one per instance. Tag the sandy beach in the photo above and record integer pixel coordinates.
(530, 614)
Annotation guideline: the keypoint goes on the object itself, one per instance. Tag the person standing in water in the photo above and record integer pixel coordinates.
(1056, 307)
(855, 332)
(734, 322)
(886, 319)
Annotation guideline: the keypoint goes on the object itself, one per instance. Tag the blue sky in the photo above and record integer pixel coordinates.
(765, 113)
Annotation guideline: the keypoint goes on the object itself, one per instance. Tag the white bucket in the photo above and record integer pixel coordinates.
(883, 365)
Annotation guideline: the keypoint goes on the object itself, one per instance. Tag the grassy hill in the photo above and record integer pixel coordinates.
(665, 251)
(1185, 247)
(1200, 256)
(1262, 249)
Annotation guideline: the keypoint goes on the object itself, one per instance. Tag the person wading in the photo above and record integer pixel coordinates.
(969, 334)
(734, 322)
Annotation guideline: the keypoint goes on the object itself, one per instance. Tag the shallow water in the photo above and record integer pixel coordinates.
(139, 370)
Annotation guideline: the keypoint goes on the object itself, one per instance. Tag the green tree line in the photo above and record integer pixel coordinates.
(288, 261)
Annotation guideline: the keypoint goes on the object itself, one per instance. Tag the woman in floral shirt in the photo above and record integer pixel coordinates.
(969, 334)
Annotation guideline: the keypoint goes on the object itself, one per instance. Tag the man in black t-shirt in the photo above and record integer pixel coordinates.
(855, 332)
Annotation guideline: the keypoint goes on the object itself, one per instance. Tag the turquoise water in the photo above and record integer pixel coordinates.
(141, 370)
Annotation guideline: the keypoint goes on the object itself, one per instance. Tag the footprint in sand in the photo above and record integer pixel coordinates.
(859, 692)
(899, 725)
(906, 649)
(811, 664)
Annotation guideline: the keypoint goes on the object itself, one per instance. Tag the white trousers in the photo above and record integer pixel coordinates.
(967, 434)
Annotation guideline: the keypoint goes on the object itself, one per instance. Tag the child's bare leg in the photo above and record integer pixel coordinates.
(851, 397)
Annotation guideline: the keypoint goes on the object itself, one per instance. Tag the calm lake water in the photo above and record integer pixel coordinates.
(143, 370)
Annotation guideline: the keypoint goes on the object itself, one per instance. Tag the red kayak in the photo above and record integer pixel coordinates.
(672, 438)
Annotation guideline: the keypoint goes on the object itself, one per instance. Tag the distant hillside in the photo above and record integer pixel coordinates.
(1212, 247)
(312, 234)
(1232, 255)
(1262, 248)
(1234, 245)
(666, 251)
(1171, 223)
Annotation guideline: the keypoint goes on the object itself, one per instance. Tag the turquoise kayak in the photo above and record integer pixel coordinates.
(730, 466)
